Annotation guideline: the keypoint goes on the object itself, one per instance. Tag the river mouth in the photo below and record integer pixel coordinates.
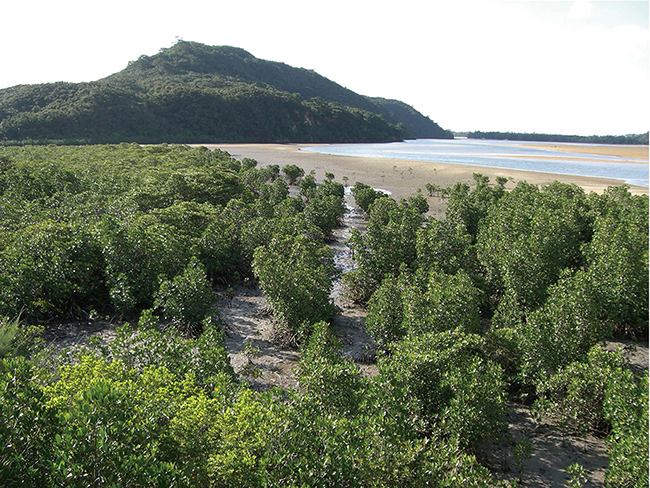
(513, 155)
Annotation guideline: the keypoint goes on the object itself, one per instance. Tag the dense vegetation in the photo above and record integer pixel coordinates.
(197, 93)
(553, 271)
(511, 295)
(518, 136)
(116, 227)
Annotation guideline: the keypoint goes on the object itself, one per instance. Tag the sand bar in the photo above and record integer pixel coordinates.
(401, 177)
(569, 158)
(618, 150)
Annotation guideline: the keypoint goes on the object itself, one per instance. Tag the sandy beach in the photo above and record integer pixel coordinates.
(402, 177)
(570, 158)
(619, 150)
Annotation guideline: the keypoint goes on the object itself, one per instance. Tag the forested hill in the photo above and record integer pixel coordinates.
(518, 136)
(197, 93)
(191, 60)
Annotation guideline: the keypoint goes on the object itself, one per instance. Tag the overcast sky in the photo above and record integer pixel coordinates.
(527, 66)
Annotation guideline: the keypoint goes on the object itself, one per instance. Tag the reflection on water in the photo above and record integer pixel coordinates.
(518, 155)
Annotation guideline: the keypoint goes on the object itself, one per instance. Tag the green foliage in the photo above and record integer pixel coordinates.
(502, 180)
(578, 475)
(274, 171)
(200, 186)
(138, 255)
(523, 452)
(562, 331)
(471, 206)
(509, 313)
(26, 432)
(385, 319)
(450, 388)
(388, 244)
(325, 212)
(192, 93)
(275, 192)
(530, 236)
(307, 186)
(160, 409)
(8, 332)
(328, 188)
(330, 383)
(517, 136)
(112, 220)
(292, 173)
(102, 227)
(105, 409)
(204, 357)
(502, 345)
(432, 189)
(575, 395)
(415, 125)
(104, 419)
(221, 251)
(626, 408)
(248, 163)
(250, 369)
(124, 228)
(136, 412)
(617, 257)
(426, 302)
(255, 179)
(186, 299)
(296, 276)
(365, 196)
(446, 246)
(440, 303)
(419, 202)
(263, 443)
(50, 267)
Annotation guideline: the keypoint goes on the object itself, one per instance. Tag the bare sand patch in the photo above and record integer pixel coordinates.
(553, 450)
(618, 150)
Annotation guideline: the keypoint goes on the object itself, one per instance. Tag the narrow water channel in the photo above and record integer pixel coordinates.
(349, 323)
(352, 218)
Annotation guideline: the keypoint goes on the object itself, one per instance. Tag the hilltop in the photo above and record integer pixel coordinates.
(192, 92)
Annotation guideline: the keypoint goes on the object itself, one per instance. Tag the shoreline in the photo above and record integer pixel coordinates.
(578, 159)
(401, 176)
(620, 151)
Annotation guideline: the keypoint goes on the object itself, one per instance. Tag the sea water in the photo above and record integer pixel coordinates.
(518, 155)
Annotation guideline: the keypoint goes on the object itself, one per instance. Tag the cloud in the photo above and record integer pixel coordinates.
(581, 10)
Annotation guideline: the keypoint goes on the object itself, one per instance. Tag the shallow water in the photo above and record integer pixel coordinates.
(516, 155)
